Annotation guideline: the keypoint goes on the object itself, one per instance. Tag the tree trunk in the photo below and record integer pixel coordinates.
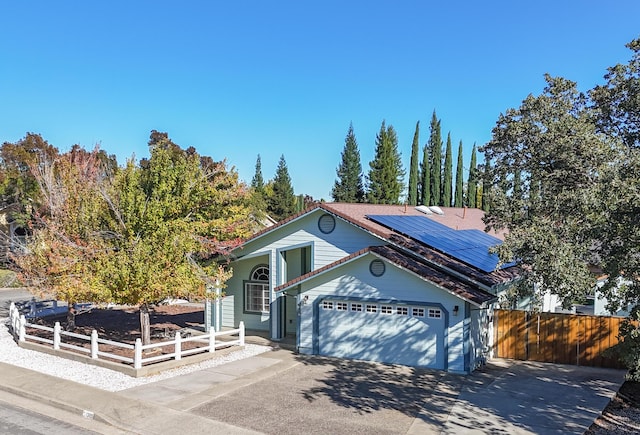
(71, 318)
(145, 326)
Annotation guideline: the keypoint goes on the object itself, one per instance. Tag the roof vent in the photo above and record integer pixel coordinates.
(436, 210)
(424, 209)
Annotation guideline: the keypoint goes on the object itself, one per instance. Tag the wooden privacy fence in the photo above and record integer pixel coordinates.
(556, 338)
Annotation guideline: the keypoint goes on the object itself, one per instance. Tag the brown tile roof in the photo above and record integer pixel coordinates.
(454, 218)
(356, 213)
(458, 287)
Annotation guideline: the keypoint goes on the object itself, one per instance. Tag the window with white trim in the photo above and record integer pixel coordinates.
(256, 291)
(371, 308)
(434, 313)
(386, 309)
(327, 305)
(417, 312)
(356, 306)
(341, 306)
(402, 311)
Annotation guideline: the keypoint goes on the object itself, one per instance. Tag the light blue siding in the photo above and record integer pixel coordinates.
(428, 342)
(269, 248)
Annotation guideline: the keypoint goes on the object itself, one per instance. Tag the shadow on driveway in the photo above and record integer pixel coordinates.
(326, 395)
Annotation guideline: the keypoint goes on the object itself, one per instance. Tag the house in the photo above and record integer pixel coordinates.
(386, 283)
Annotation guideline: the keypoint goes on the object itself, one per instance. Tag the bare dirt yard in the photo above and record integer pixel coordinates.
(122, 324)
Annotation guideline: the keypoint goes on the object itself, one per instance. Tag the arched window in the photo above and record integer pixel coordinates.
(256, 290)
(260, 273)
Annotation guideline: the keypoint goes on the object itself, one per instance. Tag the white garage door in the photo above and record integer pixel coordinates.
(412, 335)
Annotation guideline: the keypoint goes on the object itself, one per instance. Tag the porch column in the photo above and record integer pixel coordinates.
(277, 317)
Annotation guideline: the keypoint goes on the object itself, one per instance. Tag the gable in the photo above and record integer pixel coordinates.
(411, 269)
(331, 238)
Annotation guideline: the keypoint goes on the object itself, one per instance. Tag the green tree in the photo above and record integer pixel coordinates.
(617, 102)
(551, 143)
(435, 153)
(386, 173)
(257, 182)
(487, 184)
(282, 203)
(472, 183)
(459, 197)
(348, 187)
(425, 178)
(146, 234)
(447, 175)
(412, 194)
(616, 108)
(258, 191)
(18, 184)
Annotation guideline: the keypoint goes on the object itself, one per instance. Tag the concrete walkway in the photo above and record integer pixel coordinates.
(280, 392)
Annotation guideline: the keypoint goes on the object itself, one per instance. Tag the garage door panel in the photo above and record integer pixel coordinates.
(390, 338)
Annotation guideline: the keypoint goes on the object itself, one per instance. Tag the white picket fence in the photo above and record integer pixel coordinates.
(210, 343)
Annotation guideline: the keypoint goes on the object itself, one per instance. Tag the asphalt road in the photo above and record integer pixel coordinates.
(8, 295)
(17, 420)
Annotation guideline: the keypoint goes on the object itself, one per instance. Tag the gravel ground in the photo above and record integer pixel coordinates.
(622, 415)
(99, 377)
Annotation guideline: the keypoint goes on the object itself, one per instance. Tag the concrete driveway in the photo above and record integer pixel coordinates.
(282, 393)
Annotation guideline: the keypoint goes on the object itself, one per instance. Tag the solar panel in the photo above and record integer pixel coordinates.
(468, 246)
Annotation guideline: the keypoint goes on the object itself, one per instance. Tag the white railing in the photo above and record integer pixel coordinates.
(210, 344)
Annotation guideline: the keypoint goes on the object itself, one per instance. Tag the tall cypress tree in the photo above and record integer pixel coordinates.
(425, 178)
(458, 201)
(447, 174)
(258, 182)
(435, 152)
(472, 183)
(348, 186)
(486, 184)
(412, 194)
(283, 202)
(386, 173)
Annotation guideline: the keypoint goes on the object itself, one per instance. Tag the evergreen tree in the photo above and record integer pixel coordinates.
(258, 182)
(486, 183)
(459, 183)
(447, 175)
(425, 178)
(258, 192)
(435, 152)
(282, 203)
(348, 186)
(472, 184)
(413, 169)
(386, 173)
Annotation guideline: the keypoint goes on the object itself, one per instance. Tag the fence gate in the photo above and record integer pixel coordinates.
(556, 338)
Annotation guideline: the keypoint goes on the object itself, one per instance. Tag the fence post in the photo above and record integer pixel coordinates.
(137, 354)
(212, 340)
(56, 336)
(13, 317)
(94, 344)
(241, 334)
(21, 330)
(178, 347)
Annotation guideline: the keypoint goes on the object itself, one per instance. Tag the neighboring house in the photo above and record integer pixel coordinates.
(385, 283)
(596, 303)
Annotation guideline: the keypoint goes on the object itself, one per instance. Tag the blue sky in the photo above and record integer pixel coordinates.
(242, 78)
